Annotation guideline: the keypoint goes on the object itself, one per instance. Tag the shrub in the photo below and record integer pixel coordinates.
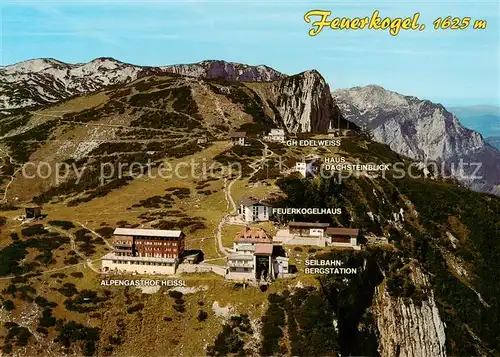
(20, 333)
(135, 308)
(42, 330)
(9, 305)
(58, 275)
(72, 260)
(68, 289)
(179, 308)
(202, 315)
(63, 224)
(35, 229)
(72, 331)
(7, 348)
(175, 294)
(47, 320)
(43, 302)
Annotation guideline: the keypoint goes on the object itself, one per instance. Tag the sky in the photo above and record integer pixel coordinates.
(452, 67)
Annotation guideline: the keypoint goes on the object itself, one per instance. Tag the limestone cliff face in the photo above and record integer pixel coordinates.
(305, 103)
(424, 131)
(226, 70)
(407, 328)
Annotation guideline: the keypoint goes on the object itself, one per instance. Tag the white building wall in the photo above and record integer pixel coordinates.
(239, 141)
(276, 138)
(202, 268)
(136, 268)
(262, 213)
(353, 243)
(237, 247)
(296, 240)
(248, 213)
(281, 265)
(301, 167)
(316, 232)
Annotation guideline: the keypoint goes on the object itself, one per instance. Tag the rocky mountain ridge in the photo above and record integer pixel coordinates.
(163, 115)
(434, 310)
(41, 81)
(424, 131)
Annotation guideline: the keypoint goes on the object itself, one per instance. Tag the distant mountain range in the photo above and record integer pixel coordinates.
(422, 130)
(46, 80)
(430, 289)
(482, 118)
(494, 141)
(416, 128)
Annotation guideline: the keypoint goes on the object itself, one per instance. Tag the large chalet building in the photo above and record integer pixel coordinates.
(253, 210)
(145, 251)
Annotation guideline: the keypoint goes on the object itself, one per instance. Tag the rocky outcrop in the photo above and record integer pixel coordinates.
(305, 104)
(42, 81)
(226, 70)
(424, 131)
(408, 328)
(303, 101)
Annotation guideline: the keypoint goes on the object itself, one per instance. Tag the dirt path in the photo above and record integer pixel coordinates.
(229, 197)
(220, 246)
(214, 99)
(88, 261)
(258, 164)
(13, 162)
(96, 234)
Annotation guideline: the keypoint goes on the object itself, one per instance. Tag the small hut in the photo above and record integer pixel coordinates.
(33, 211)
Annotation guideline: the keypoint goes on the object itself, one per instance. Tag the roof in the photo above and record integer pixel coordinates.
(264, 249)
(123, 239)
(342, 231)
(308, 224)
(253, 202)
(147, 232)
(32, 205)
(192, 256)
(253, 235)
(239, 134)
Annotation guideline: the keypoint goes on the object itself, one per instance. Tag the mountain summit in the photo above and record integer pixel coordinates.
(423, 130)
